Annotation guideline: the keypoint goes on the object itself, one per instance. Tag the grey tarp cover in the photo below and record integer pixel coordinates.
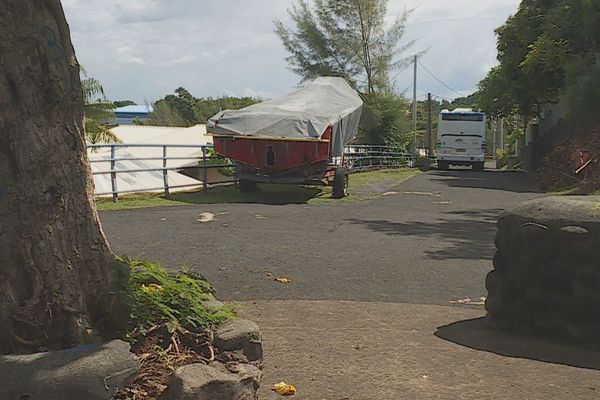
(303, 114)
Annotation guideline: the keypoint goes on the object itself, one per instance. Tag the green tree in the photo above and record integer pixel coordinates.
(384, 121)
(124, 103)
(183, 109)
(207, 107)
(495, 96)
(346, 38)
(546, 51)
(470, 101)
(164, 115)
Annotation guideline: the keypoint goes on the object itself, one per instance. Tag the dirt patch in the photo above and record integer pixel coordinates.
(160, 353)
(574, 163)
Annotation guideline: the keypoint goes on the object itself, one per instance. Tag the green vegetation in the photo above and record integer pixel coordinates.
(123, 103)
(360, 184)
(547, 51)
(347, 39)
(471, 101)
(136, 201)
(183, 109)
(159, 298)
(396, 176)
(385, 121)
(98, 111)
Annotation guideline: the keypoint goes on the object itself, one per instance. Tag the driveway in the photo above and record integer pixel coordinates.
(429, 241)
(385, 295)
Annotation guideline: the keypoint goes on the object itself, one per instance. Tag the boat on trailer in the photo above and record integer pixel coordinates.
(296, 139)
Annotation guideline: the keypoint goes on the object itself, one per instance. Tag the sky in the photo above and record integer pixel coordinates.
(142, 50)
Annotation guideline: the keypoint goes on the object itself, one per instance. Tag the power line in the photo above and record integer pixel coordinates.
(423, 96)
(439, 80)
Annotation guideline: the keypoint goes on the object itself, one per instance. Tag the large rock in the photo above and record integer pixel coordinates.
(546, 275)
(556, 212)
(213, 304)
(204, 382)
(240, 335)
(91, 372)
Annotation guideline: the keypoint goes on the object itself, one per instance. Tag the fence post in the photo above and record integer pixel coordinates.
(113, 174)
(204, 174)
(165, 172)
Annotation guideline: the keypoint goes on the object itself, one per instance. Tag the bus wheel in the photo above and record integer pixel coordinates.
(340, 183)
(443, 165)
(478, 166)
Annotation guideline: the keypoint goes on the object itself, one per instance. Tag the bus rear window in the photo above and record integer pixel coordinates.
(463, 117)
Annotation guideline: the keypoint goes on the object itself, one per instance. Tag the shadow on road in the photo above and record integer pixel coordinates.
(510, 181)
(477, 334)
(470, 238)
(264, 194)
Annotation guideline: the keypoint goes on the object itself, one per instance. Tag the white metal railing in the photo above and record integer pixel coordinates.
(360, 157)
(357, 157)
(205, 161)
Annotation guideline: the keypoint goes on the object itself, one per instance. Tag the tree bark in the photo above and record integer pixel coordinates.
(57, 272)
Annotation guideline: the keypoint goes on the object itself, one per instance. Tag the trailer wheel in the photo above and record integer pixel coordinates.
(246, 186)
(443, 165)
(340, 183)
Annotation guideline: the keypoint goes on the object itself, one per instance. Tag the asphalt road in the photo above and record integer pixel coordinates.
(429, 241)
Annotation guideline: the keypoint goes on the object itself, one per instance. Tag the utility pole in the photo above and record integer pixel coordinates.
(429, 125)
(415, 112)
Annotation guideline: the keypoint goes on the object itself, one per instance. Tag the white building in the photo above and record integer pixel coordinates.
(149, 181)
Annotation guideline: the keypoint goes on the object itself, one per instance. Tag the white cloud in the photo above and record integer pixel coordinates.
(126, 55)
(460, 39)
(187, 58)
(143, 49)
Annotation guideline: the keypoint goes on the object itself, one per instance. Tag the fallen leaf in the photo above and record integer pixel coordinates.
(283, 280)
(163, 219)
(260, 217)
(284, 389)
(269, 275)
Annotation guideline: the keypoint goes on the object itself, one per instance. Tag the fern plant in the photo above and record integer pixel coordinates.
(177, 300)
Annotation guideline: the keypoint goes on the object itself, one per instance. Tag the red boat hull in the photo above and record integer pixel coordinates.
(272, 156)
(261, 159)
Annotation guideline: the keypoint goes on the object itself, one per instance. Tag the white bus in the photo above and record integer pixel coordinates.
(461, 139)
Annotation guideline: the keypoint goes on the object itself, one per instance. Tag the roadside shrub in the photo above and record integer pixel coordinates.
(158, 297)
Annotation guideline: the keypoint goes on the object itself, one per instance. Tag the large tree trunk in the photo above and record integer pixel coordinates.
(56, 268)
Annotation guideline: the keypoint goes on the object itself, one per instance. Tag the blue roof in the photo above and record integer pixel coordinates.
(135, 109)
